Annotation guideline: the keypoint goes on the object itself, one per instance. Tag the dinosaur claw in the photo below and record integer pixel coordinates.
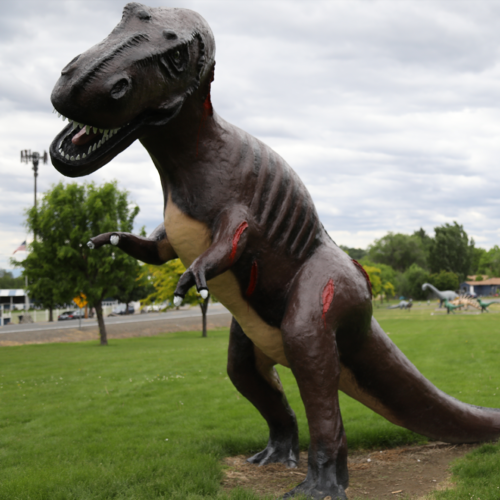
(178, 300)
(91, 245)
(204, 293)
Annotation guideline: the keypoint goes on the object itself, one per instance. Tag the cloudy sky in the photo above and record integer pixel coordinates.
(388, 110)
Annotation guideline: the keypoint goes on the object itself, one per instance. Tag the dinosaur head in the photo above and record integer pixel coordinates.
(137, 77)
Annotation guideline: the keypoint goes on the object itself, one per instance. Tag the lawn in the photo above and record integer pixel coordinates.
(151, 417)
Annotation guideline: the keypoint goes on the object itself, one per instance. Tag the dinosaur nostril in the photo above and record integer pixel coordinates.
(120, 88)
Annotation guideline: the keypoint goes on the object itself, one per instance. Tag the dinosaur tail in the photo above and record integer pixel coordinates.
(382, 378)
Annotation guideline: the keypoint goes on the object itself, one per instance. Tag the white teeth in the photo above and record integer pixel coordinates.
(63, 117)
(101, 130)
(95, 147)
(94, 129)
(78, 157)
(72, 158)
(87, 129)
(75, 124)
(90, 150)
(84, 156)
(81, 125)
(67, 157)
(59, 115)
(106, 132)
(99, 144)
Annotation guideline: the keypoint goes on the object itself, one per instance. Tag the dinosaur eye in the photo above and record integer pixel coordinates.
(177, 56)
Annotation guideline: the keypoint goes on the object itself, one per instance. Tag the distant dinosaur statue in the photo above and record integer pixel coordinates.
(485, 305)
(451, 307)
(445, 295)
(466, 301)
(404, 304)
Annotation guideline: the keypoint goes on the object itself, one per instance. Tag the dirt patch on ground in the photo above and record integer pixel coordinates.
(409, 473)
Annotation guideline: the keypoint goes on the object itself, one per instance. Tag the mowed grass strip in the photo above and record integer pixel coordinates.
(152, 417)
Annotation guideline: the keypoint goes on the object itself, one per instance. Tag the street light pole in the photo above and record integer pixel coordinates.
(35, 158)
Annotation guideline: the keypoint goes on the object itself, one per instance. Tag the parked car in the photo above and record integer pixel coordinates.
(67, 315)
(121, 309)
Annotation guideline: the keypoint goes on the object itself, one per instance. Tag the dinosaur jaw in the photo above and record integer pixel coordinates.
(81, 149)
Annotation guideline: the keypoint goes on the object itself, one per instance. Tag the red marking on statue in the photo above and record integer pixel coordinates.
(327, 297)
(254, 273)
(365, 274)
(236, 239)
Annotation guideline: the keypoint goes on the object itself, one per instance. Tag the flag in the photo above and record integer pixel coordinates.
(20, 248)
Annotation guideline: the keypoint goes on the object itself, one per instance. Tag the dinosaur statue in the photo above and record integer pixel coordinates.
(451, 307)
(484, 305)
(465, 301)
(446, 295)
(404, 304)
(246, 228)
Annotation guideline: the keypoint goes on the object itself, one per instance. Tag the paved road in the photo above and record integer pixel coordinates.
(137, 325)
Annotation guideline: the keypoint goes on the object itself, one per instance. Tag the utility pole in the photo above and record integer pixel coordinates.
(34, 157)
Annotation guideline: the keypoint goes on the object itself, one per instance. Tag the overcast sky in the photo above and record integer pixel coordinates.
(388, 110)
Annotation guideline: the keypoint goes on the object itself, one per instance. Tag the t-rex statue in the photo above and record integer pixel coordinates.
(246, 228)
(445, 295)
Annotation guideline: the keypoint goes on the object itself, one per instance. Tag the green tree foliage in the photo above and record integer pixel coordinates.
(451, 250)
(60, 266)
(476, 256)
(164, 279)
(398, 250)
(410, 282)
(7, 280)
(354, 253)
(387, 276)
(444, 280)
(489, 262)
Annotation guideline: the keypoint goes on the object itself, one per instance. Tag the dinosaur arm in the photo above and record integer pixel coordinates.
(229, 241)
(155, 249)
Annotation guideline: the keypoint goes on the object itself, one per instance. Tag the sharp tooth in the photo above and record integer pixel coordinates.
(99, 144)
(90, 150)
(63, 117)
(72, 158)
(58, 114)
(84, 156)
(95, 147)
(78, 158)
(106, 132)
(75, 124)
(81, 125)
(94, 129)
(111, 132)
(67, 157)
(115, 130)
(101, 130)
(87, 129)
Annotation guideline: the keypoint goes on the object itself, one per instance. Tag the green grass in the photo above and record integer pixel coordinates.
(79, 421)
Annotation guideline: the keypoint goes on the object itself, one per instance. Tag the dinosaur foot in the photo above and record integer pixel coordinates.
(312, 489)
(283, 453)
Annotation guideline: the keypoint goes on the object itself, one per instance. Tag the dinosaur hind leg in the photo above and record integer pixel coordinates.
(254, 376)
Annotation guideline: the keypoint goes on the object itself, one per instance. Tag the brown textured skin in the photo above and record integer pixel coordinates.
(216, 177)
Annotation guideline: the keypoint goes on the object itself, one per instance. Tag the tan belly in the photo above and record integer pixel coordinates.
(190, 238)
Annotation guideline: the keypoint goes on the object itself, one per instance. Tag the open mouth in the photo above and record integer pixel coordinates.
(80, 149)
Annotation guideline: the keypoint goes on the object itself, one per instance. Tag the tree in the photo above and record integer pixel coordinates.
(7, 280)
(444, 280)
(387, 276)
(354, 253)
(451, 250)
(63, 222)
(411, 281)
(164, 279)
(477, 255)
(489, 262)
(398, 250)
